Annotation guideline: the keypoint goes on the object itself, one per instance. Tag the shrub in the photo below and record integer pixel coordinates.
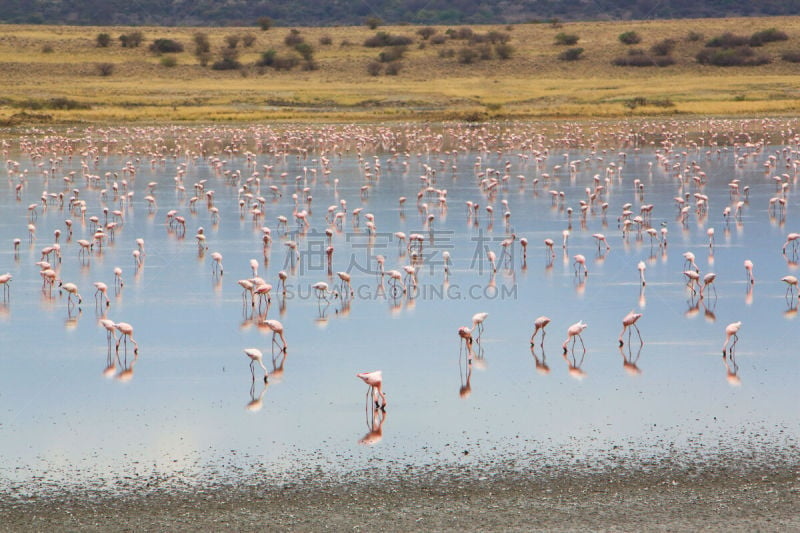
(267, 58)
(326, 40)
(392, 53)
(393, 68)
(47, 49)
(169, 61)
(305, 50)
(438, 39)
(232, 41)
(166, 46)
(485, 51)
(373, 22)
(374, 68)
(629, 37)
(467, 55)
(103, 40)
(694, 36)
(264, 23)
(201, 44)
(464, 34)
(293, 39)
(132, 39)
(637, 58)
(767, 36)
(383, 38)
(504, 50)
(248, 40)
(743, 56)
(791, 57)
(426, 32)
(105, 69)
(571, 54)
(495, 36)
(566, 39)
(637, 101)
(663, 48)
(447, 52)
(728, 40)
(226, 63)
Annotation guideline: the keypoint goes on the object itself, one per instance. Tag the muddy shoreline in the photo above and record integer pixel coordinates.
(731, 493)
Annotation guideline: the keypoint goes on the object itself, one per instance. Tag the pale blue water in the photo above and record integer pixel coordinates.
(184, 408)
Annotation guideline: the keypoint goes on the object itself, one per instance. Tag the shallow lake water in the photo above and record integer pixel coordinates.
(187, 405)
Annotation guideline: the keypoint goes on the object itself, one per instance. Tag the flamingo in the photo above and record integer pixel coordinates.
(102, 290)
(477, 322)
(791, 282)
(731, 332)
(642, 267)
(72, 290)
(216, 266)
(580, 264)
(5, 279)
(277, 329)
(630, 321)
(539, 324)
(256, 356)
(375, 381)
(748, 268)
(573, 331)
(126, 331)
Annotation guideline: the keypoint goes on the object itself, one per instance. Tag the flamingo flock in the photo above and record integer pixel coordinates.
(69, 185)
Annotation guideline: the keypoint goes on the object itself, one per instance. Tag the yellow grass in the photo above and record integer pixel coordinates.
(533, 83)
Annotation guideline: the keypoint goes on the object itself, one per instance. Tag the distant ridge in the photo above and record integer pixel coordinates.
(353, 12)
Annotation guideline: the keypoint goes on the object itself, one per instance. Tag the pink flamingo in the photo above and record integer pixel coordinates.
(477, 322)
(5, 279)
(277, 329)
(256, 356)
(642, 267)
(580, 264)
(216, 266)
(126, 331)
(539, 324)
(748, 268)
(791, 239)
(574, 331)
(731, 332)
(791, 282)
(375, 381)
(548, 243)
(102, 290)
(628, 322)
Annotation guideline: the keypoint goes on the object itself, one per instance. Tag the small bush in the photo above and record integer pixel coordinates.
(103, 40)
(285, 62)
(373, 22)
(264, 23)
(305, 50)
(201, 44)
(447, 53)
(728, 40)
(383, 38)
(132, 39)
(374, 68)
(694, 36)
(629, 37)
(571, 54)
(47, 49)
(393, 68)
(392, 53)
(438, 39)
(105, 69)
(467, 55)
(464, 34)
(166, 46)
(495, 36)
(566, 39)
(791, 57)
(637, 101)
(232, 41)
(267, 58)
(248, 40)
(309, 65)
(743, 56)
(637, 58)
(663, 48)
(293, 39)
(226, 63)
(484, 51)
(767, 36)
(326, 40)
(168, 61)
(504, 50)
(426, 32)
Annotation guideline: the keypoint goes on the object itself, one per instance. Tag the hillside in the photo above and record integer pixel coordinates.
(353, 12)
(60, 74)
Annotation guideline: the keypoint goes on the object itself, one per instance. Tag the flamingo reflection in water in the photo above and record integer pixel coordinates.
(465, 362)
(375, 381)
(375, 420)
(630, 361)
(731, 369)
(541, 364)
(574, 364)
(256, 400)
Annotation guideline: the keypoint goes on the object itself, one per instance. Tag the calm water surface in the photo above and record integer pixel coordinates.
(180, 406)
